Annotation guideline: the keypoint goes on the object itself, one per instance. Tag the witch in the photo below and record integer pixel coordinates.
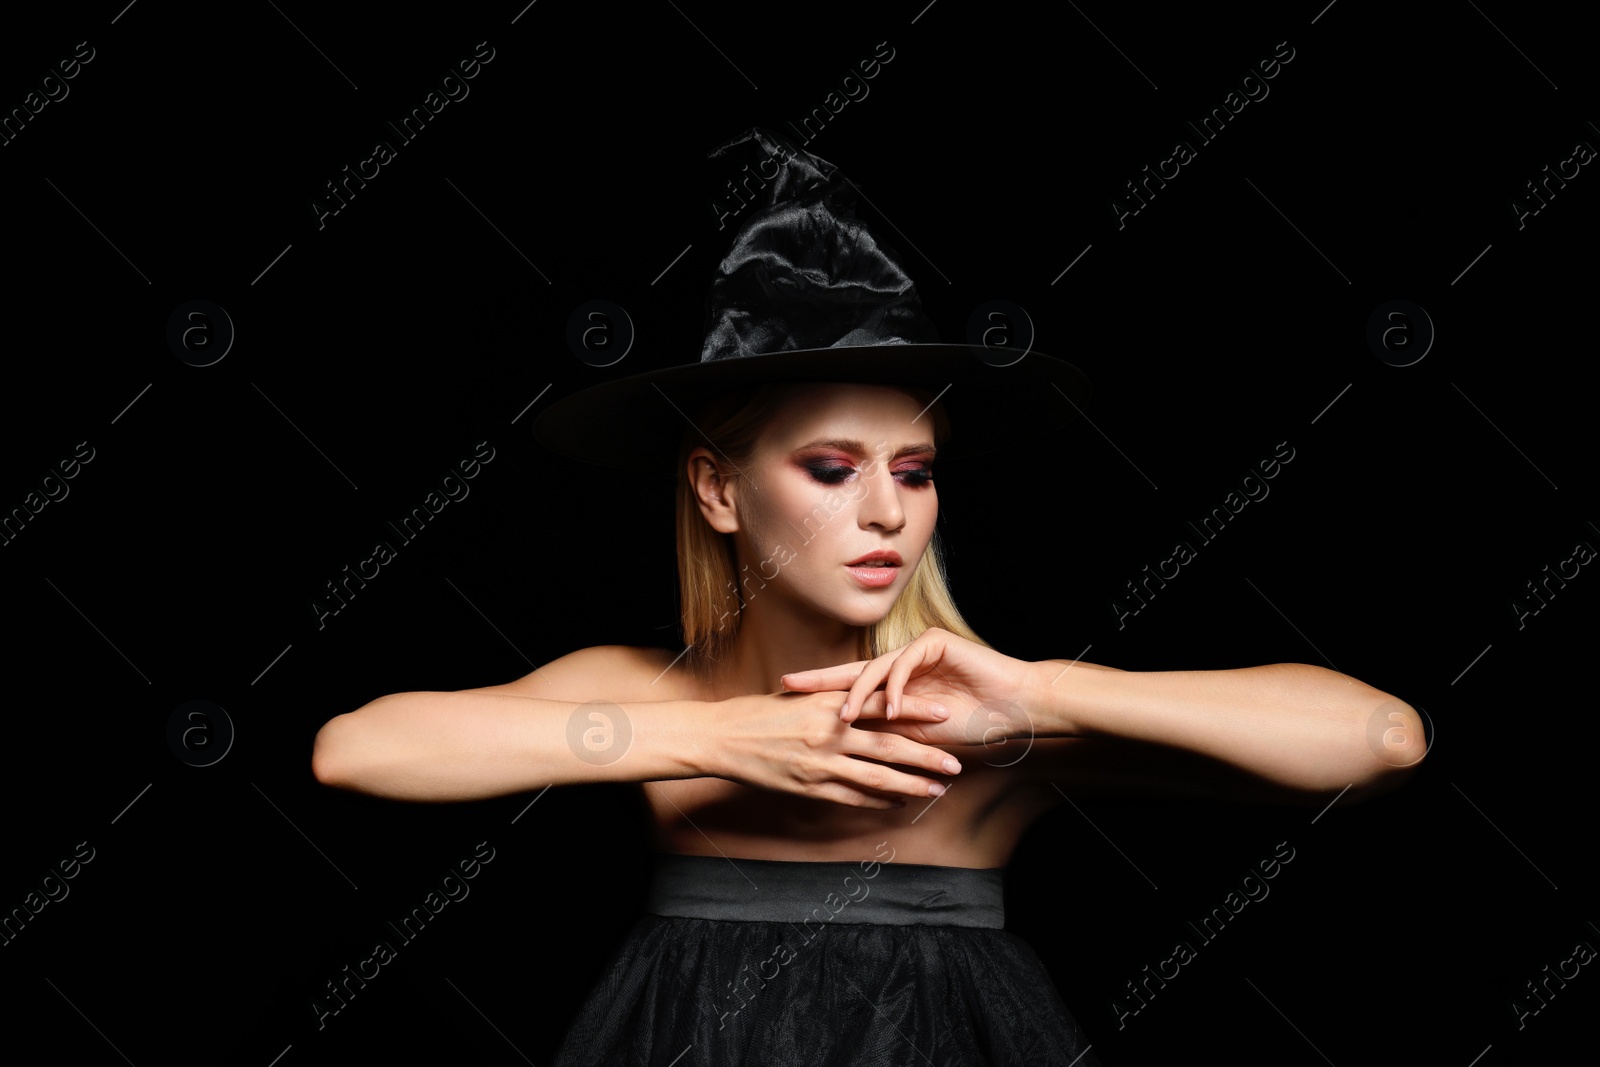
(837, 768)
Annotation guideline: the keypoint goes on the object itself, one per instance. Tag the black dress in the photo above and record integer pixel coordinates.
(778, 962)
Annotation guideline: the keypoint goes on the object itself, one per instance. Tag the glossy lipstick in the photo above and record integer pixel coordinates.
(875, 569)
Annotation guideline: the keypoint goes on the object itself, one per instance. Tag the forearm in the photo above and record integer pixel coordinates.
(469, 746)
(1294, 725)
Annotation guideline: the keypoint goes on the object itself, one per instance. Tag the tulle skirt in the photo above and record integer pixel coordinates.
(820, 964)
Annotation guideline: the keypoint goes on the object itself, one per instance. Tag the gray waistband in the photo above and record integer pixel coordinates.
(871, 891)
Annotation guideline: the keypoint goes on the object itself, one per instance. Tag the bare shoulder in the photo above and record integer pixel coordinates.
(601, 672)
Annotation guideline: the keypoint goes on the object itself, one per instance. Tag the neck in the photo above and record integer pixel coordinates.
(777, 638)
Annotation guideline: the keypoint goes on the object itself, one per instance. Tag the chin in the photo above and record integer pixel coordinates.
(866, 612)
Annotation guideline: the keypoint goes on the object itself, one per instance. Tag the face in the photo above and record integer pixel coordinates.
(842, 475)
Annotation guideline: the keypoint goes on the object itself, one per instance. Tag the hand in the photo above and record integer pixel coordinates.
(796, 743)
(979, 686)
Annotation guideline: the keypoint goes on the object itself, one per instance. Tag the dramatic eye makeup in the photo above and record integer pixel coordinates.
(916, 474)
(829, 472)
(832, 462)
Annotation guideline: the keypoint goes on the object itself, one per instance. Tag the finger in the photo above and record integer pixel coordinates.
(925, 709)
(901, 751)
(836, 677)
(916, 731)
(913, 658)
(856, 798)
(876, 778)
(870, 678)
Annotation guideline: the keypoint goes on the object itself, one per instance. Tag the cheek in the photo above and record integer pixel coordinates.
(925, 520)
(922, 509)
(775, 526)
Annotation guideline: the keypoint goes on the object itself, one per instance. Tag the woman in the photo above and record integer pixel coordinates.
(837, 767)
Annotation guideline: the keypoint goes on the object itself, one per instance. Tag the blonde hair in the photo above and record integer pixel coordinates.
(708, 563)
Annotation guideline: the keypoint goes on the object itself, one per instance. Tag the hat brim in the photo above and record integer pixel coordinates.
(996, 398)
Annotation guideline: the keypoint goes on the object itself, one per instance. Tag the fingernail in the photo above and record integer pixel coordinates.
(891, 711)
(936, 790)
(951, 765)
(939, 711)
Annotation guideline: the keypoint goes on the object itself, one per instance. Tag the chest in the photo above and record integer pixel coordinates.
(976, 823)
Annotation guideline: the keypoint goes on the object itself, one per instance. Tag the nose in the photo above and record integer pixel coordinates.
(880, 506)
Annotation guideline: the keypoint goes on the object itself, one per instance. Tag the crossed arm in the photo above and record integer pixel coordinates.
(1283, 732)
(549, 728)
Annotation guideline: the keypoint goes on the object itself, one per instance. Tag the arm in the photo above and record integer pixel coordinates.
(1303, 733)
(536, 732)
(1287, 732)
(472, 745)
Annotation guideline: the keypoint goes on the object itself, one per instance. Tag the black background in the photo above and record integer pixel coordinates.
(375, 351)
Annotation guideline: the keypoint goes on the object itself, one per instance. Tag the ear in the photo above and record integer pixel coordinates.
(713, 490)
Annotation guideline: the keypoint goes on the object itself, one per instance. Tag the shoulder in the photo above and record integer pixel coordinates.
(600, 672)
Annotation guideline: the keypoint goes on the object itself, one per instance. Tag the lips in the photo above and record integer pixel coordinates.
(879, 558)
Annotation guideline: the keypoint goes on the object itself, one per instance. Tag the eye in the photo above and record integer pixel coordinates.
(830, 475)
(916, 475)
(833, 474)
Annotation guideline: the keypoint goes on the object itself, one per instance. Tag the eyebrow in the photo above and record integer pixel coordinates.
(860, 448)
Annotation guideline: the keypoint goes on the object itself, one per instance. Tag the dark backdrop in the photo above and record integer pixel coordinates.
(373, 348)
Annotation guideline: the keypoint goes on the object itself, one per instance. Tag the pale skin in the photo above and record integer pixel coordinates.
(792, 747)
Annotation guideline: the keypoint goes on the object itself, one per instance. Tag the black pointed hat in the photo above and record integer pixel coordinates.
(808, 294)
